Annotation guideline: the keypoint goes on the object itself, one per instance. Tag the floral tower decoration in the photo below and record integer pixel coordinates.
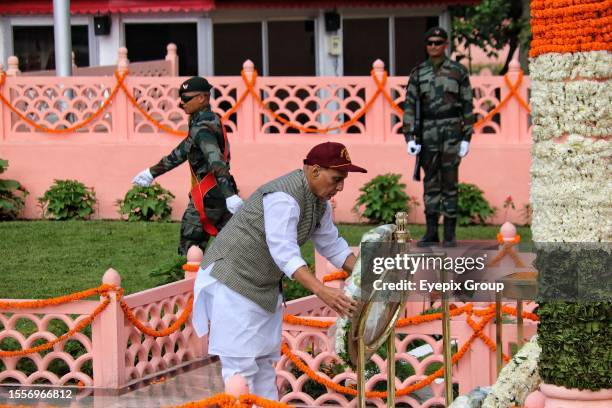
(571, 73)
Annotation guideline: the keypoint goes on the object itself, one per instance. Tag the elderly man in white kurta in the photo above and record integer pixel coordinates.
(237, 290)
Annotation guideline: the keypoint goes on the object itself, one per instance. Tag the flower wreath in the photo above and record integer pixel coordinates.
(353, 289)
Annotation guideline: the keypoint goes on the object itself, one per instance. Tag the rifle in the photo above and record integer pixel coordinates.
(418, 130)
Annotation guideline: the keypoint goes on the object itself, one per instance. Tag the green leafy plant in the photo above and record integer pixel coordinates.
(170, 271)
(68, 200)
(12, 195)
(472, 207)
(146, 203)
(382, 197)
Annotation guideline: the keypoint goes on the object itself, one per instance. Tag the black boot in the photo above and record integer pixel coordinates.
(431, 235)
(449, 232)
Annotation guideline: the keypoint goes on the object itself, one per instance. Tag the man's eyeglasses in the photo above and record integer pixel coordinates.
(436, 43)
(187, 98)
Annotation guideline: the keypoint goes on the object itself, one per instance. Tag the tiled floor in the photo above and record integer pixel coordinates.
(189, 386)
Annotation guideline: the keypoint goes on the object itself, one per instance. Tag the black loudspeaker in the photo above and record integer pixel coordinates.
(102, 25)
(332, 21)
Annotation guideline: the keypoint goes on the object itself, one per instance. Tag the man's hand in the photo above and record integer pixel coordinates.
(233, 203)
(413, 148)
(143, 179)
(337, 301)
(332, 297)
(464, 148)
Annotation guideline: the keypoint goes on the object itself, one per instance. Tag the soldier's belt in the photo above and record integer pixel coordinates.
(443, 115)
(197, 194)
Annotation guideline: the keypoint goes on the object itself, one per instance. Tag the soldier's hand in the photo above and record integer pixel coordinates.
(464, 148)
(143, 179)
(413, 148)
(233, 203)
(337, 301)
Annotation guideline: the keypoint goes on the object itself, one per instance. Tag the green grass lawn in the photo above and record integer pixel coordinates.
(41, 259)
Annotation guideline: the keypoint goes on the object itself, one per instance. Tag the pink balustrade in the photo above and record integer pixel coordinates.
(315, 348)
(114, 353)
(121, 141)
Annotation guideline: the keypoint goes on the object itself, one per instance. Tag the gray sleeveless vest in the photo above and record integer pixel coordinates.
(240, 253)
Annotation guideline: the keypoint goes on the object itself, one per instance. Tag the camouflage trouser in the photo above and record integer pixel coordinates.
(192, 232)
(440, 162)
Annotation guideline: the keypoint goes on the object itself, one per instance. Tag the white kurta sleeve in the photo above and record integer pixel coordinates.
(281, 216)
(328, 243)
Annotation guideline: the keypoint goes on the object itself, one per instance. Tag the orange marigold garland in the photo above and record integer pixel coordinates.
(158, 333)
(338, 275)
(562, 26)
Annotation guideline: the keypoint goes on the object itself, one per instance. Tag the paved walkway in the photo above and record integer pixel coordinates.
(193, 385)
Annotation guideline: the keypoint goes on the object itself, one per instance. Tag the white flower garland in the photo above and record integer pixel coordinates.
(517, 379)
(571, 189)
(570, 193)
(583, 107)
(558, 67)
(353, 289)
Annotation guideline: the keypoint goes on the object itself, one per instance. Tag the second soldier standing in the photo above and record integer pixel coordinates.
(213, 197)
(443, 87)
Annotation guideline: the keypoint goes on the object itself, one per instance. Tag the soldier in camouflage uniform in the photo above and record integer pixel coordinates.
(207, 151)
(446, 120)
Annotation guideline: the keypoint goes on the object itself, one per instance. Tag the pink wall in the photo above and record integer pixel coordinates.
(120, 143)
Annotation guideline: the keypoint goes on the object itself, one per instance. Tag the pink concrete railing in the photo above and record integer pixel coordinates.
(163, 67)
(315, 347)
(120, 142)
(119, 353)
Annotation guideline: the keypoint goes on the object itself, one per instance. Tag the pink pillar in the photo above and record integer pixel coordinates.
(511, 110)
(13, 66)
(123, 115)
(172, 57)
(248, 120)
(199, 345)
(108, 342)
(194, 258)
(375, 117)
(2, 120)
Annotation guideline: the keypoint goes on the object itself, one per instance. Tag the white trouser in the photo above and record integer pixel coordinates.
(258, 372)
(246, 337)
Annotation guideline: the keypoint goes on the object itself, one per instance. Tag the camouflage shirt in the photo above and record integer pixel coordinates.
(203, 148)
(445, 93)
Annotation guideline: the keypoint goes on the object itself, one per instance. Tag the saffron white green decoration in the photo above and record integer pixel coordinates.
(517, 379)
(353, 289)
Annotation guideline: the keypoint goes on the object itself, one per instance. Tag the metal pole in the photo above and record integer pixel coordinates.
(446, 344)
(62, 39)
(498, 332)
(361, 372)
(519, 322)
(391, 370)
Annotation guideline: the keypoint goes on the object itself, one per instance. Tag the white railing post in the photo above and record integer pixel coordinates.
(108, 339)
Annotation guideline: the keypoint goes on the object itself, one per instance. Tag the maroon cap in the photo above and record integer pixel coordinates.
(331, 155)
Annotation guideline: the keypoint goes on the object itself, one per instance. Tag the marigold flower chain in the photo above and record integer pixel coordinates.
(578, 9)
(548, 4)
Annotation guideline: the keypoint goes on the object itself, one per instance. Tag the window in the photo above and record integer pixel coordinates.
(148, 41)
(365, 41)
(291, 49)
(409, 42)
(35, 48)
(234, 43)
